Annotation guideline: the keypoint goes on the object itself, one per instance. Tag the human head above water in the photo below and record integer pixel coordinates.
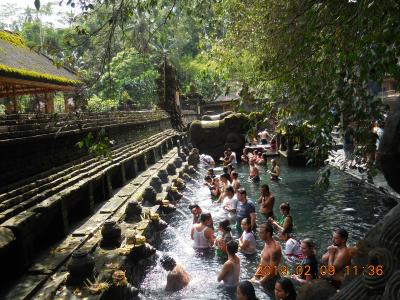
(232, 247)
(246, 224)
(265, 231)
(307, 247)
(224, 225)
(230, 191)
(205, 218)
(245, 291)
(339, 237)
(242, 195)
(264, 188)
(234, 175)
(285, 208)
(284, 289)
(167, 262)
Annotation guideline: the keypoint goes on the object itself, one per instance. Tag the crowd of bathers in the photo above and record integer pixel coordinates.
(278, 271)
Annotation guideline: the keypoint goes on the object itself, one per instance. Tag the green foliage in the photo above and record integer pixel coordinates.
(314, 56)
(97, 104)
(131, 78)
(99, 145)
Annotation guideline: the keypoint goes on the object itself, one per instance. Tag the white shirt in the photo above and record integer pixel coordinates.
(206, 159)
(292, 250)
(232, 158)
(230, 203)
(249, 236)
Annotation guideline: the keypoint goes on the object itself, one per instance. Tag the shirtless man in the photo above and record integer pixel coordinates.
(266, 201)
(266, 274)
(254, 173)
(177, 277)
(275, 170)
(235, 181)
(338, 255)
(264, 135)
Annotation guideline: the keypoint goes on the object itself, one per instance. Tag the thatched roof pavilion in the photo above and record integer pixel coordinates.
(26, 72)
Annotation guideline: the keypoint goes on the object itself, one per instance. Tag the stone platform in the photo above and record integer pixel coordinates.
(46, 278)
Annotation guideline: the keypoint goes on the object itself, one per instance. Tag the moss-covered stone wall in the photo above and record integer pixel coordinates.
(31, 144)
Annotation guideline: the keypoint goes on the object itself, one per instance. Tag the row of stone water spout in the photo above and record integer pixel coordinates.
(81, 266)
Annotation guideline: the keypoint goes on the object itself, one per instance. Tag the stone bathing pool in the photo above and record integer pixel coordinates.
(347, 203)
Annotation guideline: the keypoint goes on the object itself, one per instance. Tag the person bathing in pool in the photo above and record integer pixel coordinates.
(254, 173)
(275, 171)
(177, 277)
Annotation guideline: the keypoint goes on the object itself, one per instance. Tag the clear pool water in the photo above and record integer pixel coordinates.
(347, 203)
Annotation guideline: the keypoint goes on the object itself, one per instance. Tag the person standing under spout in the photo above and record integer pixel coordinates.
(177, 277)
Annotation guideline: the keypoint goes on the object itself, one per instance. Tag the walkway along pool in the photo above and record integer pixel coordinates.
(347, 203)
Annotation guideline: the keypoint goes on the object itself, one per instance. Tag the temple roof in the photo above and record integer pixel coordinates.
(28, 71)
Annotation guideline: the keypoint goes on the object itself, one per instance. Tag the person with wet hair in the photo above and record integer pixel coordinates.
(245, 209)
(247, 241)
(338, 256)
(224, 239)
(231, 269)
(284, 289)
(229, 204)
(254, 172)
(309, 265)
(224, 183)
(292, 250)
(177, 277)
(210, 172)
(285, 222)
(202, 234)
(235, 181)
(209, 182)
(266, 274)
(260, 159)
(227, 173)
(266, 202)
(275, 171)
(245, 156)
(245, 291)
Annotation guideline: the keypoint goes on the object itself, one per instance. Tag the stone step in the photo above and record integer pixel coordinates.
(38, 180)
(24, 127)
(13, 206)
(47, 273)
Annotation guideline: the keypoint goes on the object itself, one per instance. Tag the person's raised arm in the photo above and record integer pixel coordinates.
(244, 245)
(209, 235)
